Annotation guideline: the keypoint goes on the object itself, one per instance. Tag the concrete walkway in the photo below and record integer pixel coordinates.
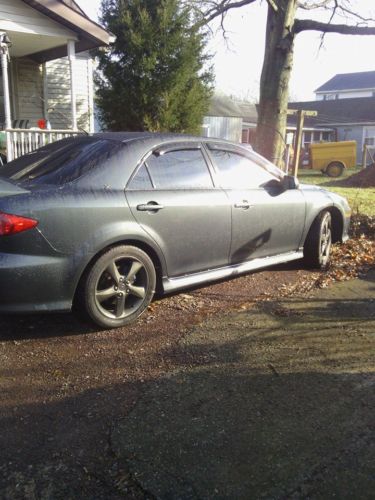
(274, 401)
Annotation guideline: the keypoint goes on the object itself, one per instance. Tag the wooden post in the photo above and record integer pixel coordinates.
(300, 113)
(364, 156)
(298, 141)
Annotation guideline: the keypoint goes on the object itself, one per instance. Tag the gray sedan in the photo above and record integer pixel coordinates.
(104, 221)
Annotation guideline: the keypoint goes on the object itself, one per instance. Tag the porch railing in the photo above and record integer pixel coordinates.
(22, 141)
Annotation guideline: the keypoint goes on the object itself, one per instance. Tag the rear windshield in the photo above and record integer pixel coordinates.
(62, 161)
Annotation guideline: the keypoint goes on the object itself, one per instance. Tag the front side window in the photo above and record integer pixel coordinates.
(238, 172)
(182, 169)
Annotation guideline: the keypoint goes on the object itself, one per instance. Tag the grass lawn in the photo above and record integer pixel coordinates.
(361, 200)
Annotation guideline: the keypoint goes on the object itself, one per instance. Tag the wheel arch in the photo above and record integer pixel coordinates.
(337, 223)
(147, 248)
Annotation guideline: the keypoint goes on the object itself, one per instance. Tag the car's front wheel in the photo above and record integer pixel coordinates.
(119, 286)
(318, 244)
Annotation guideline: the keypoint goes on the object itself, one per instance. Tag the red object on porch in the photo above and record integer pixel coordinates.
(42, 123)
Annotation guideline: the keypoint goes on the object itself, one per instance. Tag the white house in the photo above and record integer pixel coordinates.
(46, 71)
(347, 86)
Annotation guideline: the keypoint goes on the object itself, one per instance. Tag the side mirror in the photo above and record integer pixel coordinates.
(290, 182)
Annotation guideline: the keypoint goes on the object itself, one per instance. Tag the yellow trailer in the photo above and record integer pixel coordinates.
(333, 157)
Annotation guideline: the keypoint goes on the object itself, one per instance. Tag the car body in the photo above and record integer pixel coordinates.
(109, 218)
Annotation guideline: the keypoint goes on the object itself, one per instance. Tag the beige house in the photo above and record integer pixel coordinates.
(46, 71)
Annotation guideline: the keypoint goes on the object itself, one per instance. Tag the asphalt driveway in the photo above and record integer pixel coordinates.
(276, 401)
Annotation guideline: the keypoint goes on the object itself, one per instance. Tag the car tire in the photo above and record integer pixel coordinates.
(317, 248)
(335, 169)
(118, 287)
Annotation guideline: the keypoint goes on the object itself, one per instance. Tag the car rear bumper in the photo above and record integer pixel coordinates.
(33, 283)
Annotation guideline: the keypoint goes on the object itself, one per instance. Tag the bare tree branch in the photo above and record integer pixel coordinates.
(273, 4)
(316, 5)
(355, 14)
(341, 8)
(335, 7)
(209, 10)
(344, 29)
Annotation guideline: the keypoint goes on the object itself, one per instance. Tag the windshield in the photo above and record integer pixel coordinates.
(62, 161)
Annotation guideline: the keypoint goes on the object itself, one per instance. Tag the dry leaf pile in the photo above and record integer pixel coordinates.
(351, 259)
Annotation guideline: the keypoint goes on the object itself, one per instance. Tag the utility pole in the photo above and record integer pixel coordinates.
(300, 113)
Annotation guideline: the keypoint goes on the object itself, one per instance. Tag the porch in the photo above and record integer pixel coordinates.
(46, 81)
(18, 142)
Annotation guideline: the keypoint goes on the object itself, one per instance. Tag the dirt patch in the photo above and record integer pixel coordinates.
(365, 178)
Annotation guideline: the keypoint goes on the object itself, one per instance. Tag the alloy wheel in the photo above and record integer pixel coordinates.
(121, 287)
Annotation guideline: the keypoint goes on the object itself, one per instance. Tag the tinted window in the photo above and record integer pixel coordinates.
(238, 172)
(179, 169)
(62, 161)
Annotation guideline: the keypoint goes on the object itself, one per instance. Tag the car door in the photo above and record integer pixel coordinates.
(266, 219)
(173, 197)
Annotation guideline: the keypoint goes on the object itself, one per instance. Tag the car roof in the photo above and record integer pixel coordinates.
(161, 137)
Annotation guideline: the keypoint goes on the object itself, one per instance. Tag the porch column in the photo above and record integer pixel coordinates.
(73, 97)
(4, 51)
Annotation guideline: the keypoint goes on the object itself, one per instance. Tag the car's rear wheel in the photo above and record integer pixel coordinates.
(335, 169)
(119, 286)
(317, 248)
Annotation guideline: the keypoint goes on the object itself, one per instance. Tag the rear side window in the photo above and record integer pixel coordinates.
(182, 169)
(62, 161)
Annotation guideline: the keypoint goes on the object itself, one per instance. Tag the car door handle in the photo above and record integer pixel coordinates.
(243, 204)
(151, 206)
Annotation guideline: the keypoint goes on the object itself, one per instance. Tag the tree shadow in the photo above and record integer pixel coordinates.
(246, 251)
(221, 431)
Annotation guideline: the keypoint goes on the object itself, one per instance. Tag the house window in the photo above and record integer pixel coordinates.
(370, 141)
(316, 136)
(306, 139)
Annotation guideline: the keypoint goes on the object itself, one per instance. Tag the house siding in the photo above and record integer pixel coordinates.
(27, 85)
(344, 94)
(352, 133)
(57, 88)
(223, 127)
(15, 15)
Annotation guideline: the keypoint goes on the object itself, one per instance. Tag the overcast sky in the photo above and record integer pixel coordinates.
(238, 62)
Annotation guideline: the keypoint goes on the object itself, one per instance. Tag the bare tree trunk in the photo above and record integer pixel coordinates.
(274, 85)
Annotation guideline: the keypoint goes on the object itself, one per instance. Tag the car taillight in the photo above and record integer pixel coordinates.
(13, 224)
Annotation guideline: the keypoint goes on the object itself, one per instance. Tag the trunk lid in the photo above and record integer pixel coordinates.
(9, 188)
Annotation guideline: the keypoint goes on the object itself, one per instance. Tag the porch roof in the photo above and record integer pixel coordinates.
(70, 22)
